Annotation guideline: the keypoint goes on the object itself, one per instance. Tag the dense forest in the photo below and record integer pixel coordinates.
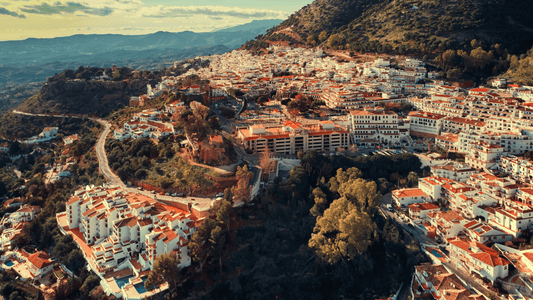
(316, 236)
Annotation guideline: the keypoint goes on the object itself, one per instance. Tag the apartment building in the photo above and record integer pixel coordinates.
(482, 155)
(517, 167)
(478, 258)
(375, 123)
(116, 229)
(292, 137)
(454, 170)
(425, 124)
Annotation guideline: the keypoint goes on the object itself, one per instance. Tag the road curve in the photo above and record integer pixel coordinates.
(112, 178)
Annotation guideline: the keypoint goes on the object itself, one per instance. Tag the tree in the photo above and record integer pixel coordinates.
(320, 203)
(453, 74)
(343, 233)
(241, 191)
(89, 284)
(311, 40)
(217, 244)
(265, 160)
(412, 178)
(165, 270)
(199, 244)
(322, 36)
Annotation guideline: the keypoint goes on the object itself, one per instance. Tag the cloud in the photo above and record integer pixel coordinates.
(67, 8)
(160, 11)
(4, 11)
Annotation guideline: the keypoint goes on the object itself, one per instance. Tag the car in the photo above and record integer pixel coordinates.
(152, 192)
(180, 194)
(219, 195)
(389, 207)
(167, 194)
(174, 195)
(140, 188)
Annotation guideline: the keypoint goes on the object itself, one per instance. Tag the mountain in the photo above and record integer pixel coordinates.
(144, 60)
(263, 25)
(105, 47)
(407, 26)
(33, 60)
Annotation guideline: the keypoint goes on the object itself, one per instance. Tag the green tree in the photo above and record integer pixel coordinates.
(321, 203)
(343, 233)
(199, 244)
(322, 36)
(217, 244)
(89, 284)
(165, 270)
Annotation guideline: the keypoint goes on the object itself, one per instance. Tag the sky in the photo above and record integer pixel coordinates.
(21, 19)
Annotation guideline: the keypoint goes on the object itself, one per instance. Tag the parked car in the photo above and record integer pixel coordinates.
(219, 195)
(140, 188)
(180, 194)
(152, 192)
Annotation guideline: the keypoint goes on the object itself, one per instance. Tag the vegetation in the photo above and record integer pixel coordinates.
(482, 34)
(361, 257)
(521, 68)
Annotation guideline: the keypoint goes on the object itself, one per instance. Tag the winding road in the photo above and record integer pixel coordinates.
(200, 203)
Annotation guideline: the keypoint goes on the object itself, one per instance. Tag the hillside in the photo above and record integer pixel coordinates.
(521, 69)
(406, 26)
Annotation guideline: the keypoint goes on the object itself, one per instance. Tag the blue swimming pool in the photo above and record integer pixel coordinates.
(436, 253)
(9, 263)
(123, 281)
(140, 286)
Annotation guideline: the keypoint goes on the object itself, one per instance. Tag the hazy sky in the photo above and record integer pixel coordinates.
(21, 19)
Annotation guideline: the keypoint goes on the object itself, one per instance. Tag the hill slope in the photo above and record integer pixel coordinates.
(421, 26)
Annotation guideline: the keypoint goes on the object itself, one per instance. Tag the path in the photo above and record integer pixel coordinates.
(112, 178)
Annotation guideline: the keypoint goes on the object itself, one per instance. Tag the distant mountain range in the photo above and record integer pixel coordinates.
(35, 59)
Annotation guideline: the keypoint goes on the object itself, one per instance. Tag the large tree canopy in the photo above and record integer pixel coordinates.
(343, 233)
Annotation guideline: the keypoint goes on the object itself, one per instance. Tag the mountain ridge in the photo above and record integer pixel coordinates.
(405, 26)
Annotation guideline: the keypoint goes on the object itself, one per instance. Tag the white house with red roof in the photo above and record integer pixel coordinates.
(419, 211)
(145, 124)
(404, 197)
(39, 264)
(483, 232)
(13, 202)
(478, 258)
(24, 214)
(436, 282)
(478, 92)
(446, 224)
(454, 170)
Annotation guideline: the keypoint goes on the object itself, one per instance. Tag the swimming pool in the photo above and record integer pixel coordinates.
(140, 286)
(436, 253)
(123, 280)
(9, 263)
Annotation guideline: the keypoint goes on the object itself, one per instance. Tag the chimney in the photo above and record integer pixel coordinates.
(189, 207)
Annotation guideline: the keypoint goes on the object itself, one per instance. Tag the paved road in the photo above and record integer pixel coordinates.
(112, 178)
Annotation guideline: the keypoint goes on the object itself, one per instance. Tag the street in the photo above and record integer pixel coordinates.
(199, 202)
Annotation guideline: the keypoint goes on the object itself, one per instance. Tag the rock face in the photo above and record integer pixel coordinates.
(84, 97)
